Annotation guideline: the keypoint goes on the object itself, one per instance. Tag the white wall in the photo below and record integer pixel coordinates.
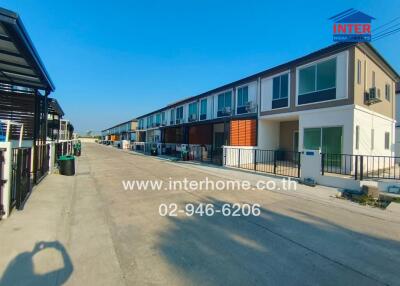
(381, 124)
(268, 134)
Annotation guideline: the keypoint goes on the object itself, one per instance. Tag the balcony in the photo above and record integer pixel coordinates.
(226, 111)
(249, 107)
(192, 117)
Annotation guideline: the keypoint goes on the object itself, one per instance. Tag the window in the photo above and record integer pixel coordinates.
(163, 117)
(243, 96)
(172, 119)
(318, 77)
(179, 113)
(280, 91)
(387, 140)
(203, 108)
(158, 119)
(280, 87)
(372, 139)
(312, 138)
(327, 139)
(193, 111)
(358, 71)
(387, 92)
(357, 137)
(224, 103)
(373, 79)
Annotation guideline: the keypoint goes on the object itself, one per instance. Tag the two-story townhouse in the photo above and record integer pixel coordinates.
(339, 100)
(223, 116)
(122, 131)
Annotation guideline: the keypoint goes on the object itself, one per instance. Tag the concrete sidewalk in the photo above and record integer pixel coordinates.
(67, 214)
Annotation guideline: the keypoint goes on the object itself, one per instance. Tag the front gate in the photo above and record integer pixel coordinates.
(277, 162)
(21, 177)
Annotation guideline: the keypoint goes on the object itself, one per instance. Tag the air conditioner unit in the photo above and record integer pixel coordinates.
(373, 96)
(251, 107)
(227, 110)
(193, 117)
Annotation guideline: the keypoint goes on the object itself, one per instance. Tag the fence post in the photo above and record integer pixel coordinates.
(275, 155)
(238, 157)
(361, 167)
(255, 159)
(322, 164)
(356, 168)
(299, 164)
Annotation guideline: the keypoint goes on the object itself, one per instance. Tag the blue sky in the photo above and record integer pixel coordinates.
(115, 60)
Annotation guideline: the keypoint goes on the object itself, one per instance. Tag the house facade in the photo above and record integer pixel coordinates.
(120, 132)
(339, 100)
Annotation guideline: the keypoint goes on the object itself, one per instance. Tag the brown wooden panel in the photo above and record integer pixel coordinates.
(243, 132)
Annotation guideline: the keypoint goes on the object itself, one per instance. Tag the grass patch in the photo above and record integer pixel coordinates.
(382, 202)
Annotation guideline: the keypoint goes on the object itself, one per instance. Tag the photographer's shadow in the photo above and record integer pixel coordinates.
(21, 270)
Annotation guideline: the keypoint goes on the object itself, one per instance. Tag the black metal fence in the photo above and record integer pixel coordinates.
(63, 148)
(2, 181)
(42, 153)
(277, 162)
(361, 167)
(21, 177)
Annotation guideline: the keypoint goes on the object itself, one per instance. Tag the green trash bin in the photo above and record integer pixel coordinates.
(185, 155)
(77, 149)
(67, 165)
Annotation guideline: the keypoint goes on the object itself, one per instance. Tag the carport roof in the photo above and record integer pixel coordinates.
(20, 63)
(54, 107)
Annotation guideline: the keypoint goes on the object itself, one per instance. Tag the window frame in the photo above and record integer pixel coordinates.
(315, 64)
(201, 106)
(287, 72)
(196, 111)
(247, 95)
(388, 90)
(225, 96)
(372, 139)
(357, 145)
(359, 69)
(176, 115)
(387, 141)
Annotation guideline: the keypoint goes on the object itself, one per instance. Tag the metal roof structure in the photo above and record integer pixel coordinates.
(20, 63)
(54, 107)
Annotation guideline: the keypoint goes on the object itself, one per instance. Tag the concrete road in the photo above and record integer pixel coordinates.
(102, 234)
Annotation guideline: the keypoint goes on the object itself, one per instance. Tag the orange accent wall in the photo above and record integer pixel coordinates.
(243, 132)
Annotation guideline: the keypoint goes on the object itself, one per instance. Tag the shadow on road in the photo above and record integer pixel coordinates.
(275, 249)
(21, 270)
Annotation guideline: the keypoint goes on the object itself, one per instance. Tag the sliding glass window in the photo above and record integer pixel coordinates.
(317, 82)
(280, 91)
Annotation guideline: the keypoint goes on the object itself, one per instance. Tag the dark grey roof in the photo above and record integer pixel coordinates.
(20, 63)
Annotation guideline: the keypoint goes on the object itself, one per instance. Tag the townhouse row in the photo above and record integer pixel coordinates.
(121, 133)
(339, 100)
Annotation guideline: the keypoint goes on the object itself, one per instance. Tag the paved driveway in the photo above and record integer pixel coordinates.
(117, 237)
